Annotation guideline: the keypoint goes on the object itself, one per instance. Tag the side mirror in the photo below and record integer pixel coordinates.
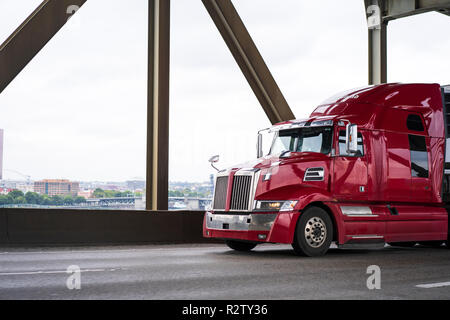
(259, 152)
(351, 138)
(214, 159)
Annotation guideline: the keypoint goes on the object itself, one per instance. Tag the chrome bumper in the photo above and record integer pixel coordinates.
(240, 222)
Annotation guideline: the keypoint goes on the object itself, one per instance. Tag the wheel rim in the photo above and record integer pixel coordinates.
(315, 232)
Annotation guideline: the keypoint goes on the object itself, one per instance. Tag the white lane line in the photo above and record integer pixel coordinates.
(109, 250)
(53, 272)
(433, 285)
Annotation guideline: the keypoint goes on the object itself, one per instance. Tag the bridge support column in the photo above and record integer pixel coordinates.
(158, 105)
(377, 41)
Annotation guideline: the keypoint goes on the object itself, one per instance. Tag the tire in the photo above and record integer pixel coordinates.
(240, 245)
(434, 244)
(402, 244)
(313, 233)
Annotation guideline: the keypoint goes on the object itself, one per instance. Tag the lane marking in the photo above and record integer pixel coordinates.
(55, 272)
(434, 285)
(108, 250)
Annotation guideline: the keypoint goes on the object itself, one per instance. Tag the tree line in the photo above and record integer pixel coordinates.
(188, 193)
(18, 197)
(100, 193)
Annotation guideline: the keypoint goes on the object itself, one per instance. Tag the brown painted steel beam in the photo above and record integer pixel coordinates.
(32, 35)
(404, 8)
(157, 189)
(247, 56)
(378, 14)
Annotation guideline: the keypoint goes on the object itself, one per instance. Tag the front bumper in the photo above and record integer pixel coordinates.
(240, 222)
(257, 227)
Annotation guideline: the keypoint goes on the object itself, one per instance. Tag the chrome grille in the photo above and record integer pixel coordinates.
(240, 195)
(220, 193)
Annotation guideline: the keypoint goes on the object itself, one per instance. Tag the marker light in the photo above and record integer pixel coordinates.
(268, 205)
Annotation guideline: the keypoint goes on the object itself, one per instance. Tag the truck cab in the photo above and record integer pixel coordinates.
(368, 167)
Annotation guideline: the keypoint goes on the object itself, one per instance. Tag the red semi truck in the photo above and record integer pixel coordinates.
(368, 167)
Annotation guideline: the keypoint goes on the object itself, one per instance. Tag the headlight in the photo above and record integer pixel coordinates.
(288, 206)
(266, 205)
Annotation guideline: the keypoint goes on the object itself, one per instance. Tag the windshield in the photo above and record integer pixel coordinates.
(306, 139)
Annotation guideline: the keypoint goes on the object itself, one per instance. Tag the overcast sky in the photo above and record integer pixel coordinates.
(78, 110)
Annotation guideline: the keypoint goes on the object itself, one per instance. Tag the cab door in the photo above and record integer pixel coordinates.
(350, 170)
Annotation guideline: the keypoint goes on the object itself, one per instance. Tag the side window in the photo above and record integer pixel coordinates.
(414, 123)
(419, 156)
(343, 149)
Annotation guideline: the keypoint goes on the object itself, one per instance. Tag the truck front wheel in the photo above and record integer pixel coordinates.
(314, 233)
(240, 245)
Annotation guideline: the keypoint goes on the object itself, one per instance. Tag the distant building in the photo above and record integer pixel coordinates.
(133, 185)
(85, 193)
(211, 183)
(112, 187)
(1, 154)
(57, 187)
(4, 190)
(24, 186)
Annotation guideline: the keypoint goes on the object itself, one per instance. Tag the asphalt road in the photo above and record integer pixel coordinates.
(215, 272)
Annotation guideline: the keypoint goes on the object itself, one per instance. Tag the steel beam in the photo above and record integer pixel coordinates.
(403, 8)
(378, 55)
(247, 56)
(157, 185)
(377, 41)
(32, 35)
(379, 13)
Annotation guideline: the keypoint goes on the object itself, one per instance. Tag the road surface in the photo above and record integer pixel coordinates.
(213, 271)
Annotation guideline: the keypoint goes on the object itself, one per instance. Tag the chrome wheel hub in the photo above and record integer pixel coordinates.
(315, 232)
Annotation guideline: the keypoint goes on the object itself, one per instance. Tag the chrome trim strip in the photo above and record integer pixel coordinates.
(363, 215)
(369, 236)
(250, 222)
(360, 211)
